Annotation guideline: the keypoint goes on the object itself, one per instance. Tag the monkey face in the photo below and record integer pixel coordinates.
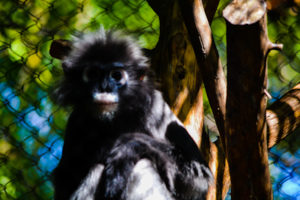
(109, 89)
(104, 83)
(104, 74)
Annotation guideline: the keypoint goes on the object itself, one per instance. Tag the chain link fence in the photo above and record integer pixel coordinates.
(31, 126)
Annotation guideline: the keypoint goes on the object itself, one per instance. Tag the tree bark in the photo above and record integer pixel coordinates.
(173, 60)
(283, 116)
(214, 81)
(208, 60)
(246, 141)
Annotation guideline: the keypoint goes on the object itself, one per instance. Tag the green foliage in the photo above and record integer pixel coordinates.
(284, 66)
(31, 127)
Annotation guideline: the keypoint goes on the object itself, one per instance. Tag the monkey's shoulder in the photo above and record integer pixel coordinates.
(160, 117)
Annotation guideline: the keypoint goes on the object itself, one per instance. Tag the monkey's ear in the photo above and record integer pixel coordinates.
(143, 72)
(60, 48)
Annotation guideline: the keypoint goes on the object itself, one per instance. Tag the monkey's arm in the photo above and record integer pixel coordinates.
(76, 160)
(88, 186)
(194, 174)
(179, 137)
(125, 154)
(145, 183)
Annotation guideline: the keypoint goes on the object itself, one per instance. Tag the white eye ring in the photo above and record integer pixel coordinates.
(120, 76)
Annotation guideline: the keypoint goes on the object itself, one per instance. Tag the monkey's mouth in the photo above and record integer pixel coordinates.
(107, 107)
(106, 102)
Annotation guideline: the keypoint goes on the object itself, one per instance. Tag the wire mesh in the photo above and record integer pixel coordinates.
(31, 126)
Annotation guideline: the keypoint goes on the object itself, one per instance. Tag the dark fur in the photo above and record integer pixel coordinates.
(143, 127)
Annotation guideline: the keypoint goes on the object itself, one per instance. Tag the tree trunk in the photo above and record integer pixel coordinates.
(246, 141)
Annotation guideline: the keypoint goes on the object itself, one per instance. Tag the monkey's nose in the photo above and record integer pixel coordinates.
(105, 87)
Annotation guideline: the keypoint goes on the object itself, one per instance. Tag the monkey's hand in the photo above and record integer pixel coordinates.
(126, 152)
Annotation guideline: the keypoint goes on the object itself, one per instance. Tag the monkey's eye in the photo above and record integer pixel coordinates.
(119, 76)
(90, 74)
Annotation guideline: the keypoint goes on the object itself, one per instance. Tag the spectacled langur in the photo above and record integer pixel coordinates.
(122, 141)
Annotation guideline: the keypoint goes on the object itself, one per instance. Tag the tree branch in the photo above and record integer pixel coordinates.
(214, 80)
(211, 68)
(283, 116)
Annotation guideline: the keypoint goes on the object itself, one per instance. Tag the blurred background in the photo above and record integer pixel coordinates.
(31, 126)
